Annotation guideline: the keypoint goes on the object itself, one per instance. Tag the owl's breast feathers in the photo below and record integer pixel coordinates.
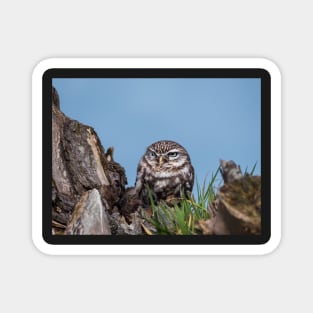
(163, 184)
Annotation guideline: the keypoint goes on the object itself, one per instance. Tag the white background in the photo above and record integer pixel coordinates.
(36, 30)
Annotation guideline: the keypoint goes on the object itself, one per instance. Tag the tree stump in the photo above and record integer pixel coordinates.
(81, 170)
(237, 208)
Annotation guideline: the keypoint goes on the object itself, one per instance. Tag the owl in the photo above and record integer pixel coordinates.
(165, 169)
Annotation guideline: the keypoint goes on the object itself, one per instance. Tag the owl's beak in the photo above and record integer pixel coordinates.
(161, 160)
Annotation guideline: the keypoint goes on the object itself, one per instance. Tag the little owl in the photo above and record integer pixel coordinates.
(165, 169)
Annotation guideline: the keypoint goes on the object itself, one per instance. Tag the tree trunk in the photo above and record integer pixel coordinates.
(83, 176)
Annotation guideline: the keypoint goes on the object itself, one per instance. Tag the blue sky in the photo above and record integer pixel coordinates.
(211, 118)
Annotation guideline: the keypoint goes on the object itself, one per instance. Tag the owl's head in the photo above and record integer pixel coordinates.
(166, 154)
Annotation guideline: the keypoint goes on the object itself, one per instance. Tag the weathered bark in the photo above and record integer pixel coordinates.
(237, 208)
(131, 226)
(79, 164)
(230, 171)
(89, 216)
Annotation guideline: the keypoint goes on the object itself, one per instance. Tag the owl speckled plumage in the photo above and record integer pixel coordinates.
(165, 169)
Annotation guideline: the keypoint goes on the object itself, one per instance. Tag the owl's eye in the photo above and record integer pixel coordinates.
(172, 154)
(151, 154)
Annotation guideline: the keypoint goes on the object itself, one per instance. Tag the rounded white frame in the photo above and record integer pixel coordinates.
(215, 249)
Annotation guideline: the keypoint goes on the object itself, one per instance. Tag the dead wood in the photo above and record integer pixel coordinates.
(237, 208)
(80, 164)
